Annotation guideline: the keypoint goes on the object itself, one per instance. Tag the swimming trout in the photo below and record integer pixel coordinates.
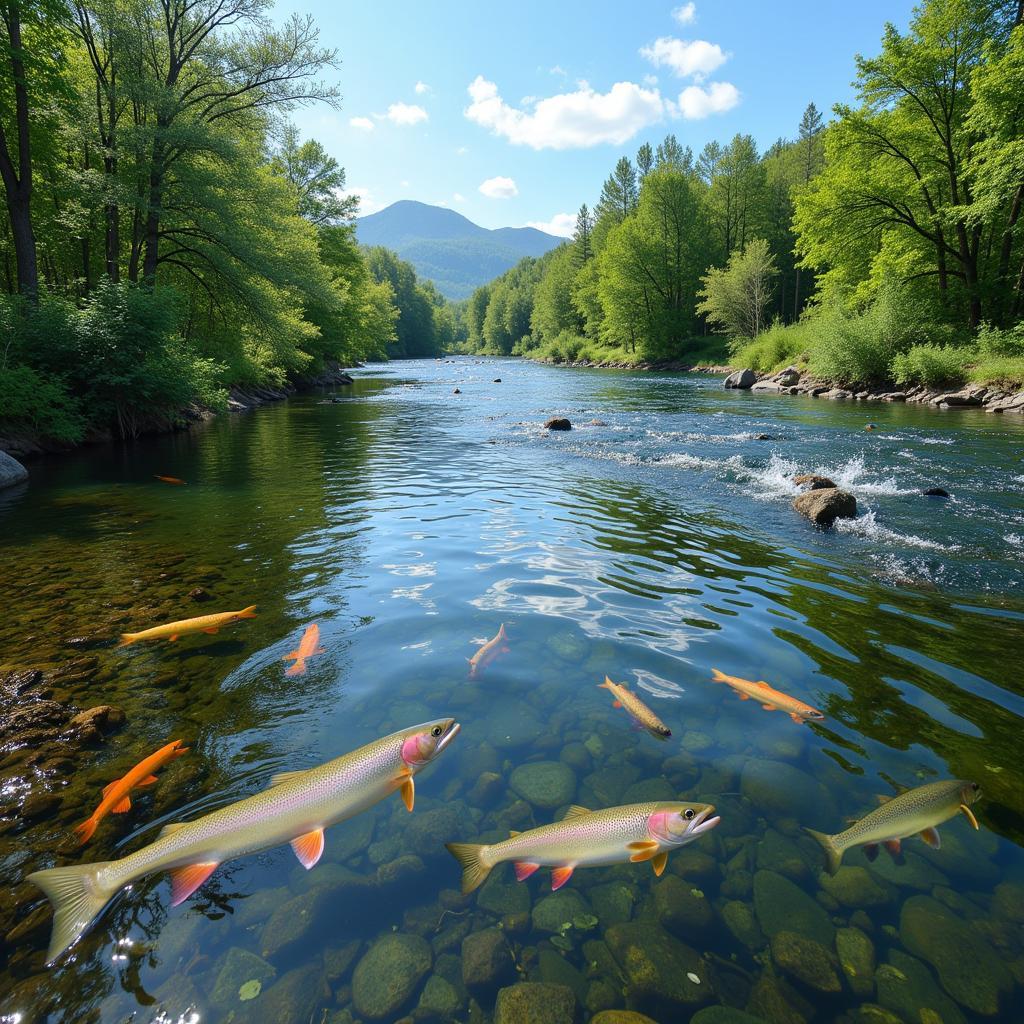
(583, 838)
(296, 808)
(200, 624)
(116, 796)
(769, 698)
(498, 644)
(915, 812)
(641, 713)
(308, 646)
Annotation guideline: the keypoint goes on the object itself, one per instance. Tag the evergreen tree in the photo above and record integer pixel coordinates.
(583, 237)
(644, 160)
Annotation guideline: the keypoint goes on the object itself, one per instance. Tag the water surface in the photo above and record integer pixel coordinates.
(652, 543)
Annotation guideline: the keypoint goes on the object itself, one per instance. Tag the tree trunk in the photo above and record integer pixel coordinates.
(1006, 249)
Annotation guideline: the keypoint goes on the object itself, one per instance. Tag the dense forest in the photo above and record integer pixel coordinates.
(884, 245)
(166, 234)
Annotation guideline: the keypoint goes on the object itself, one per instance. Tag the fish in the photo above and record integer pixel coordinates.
(914, 812)
(769, 698)
(585, 838)
(116, 796)
(498, 644)
(308, 646)
(295, 808)
(167, 479)
(642, 714)
(201, 624)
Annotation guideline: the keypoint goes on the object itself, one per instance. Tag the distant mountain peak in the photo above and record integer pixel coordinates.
(448, 248)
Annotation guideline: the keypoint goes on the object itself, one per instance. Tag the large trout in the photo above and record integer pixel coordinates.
(296, 808)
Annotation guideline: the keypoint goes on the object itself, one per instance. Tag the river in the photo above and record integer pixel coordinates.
(653, 543)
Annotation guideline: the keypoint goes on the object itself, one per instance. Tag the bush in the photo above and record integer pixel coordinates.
(777, 348)
(930, 365)
(41, 404)
(994, 342)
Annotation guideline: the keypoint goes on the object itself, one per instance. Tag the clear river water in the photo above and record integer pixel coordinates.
(652, 543)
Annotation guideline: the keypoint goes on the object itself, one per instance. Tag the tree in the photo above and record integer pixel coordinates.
(737, 295)
(736, 196)
(619, 193)
(644, 160)
(317, 177)
(810, 163)
(582, 243)
(553, 309)
(671, 154)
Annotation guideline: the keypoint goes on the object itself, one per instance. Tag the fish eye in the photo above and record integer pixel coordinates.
(688, 813)
(436, 731)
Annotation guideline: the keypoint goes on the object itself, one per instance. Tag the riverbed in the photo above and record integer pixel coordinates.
(653, 543)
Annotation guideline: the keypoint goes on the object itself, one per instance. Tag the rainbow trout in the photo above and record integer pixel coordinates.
(641, 714)
(915, 812)
(634, 832)
(296, 808)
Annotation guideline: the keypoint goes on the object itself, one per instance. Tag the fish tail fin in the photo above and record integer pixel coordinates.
(85, 830)
(248, 613)
(501, 632)
(474, 870)
(290, 655)
(718, 677)
(76, 896)
(127, 638)
(606, 685)
(298, 669)
(833, 854)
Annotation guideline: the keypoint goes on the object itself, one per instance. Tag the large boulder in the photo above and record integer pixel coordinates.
(807, 961)
(558, 423)
(742, 379)
(534, 1002)
(824, 506)
(812, 481)
(788, 377)
(11, 471)
(386, 978)
(486, 962)
(783, 906)
(546, 784)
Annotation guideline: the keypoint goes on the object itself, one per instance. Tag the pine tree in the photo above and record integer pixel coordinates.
(644, 160)
(582, 238)
(810, 159)
(619, 193)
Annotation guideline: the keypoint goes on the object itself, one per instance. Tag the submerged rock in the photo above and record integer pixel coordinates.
(386, 978)
(969, 969)
(724, 1015)
(238, 967)
(295, 997)
(440, 1000)
(657, 970)
(486, 962)
(805, 960)
(935, 492)
(11, 471)
(535, 1002)
(778, 790)
(783, 906)
(681, 908)
(554, 912)
(742, 379)
(621, 1017)
(857, 960)
(855, 887)
(823, 507)
(907, 987)
(546, 784)
(557, 423)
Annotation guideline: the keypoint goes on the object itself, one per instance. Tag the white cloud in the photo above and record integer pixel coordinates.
(696, 102)
(562, 224)
(696, 58)
(499, 188)
(458, 197)
(364, 124)
(572, 120)
(405, 113)
(558, 70)
(367, 203)
(404, 184)
(461, 151)
(651, 80)
(685, 15)
(420, 88)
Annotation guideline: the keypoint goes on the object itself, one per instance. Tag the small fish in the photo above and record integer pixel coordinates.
(295, 809)
(634, 832)
(769, 698)
(915, 812)
(201, 624)
(308, 646)
(167, 479)
(116, 796)
(642, 714)
(488, 652)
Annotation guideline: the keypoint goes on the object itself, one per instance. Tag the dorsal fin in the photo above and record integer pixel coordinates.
(280, 777)
(575, 811)
(168, 829)
(512, 833)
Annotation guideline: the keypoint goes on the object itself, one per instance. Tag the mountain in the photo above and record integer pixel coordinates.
(449, 249)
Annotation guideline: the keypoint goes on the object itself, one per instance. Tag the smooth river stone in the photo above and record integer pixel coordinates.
(545, 784)
(386, 978)
(783, 906)
(776, 789)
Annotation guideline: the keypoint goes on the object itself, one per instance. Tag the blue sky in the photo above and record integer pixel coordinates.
(515, 116)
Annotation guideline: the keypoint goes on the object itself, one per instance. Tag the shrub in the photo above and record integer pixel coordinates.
(776, 348)
(42, 404)
(930, 365)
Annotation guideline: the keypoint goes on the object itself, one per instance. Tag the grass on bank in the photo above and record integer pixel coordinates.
(886, 341)
(569, 347)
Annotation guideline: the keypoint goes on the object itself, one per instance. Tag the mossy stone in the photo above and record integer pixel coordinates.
(783, 906)
(237, 968)
(805, 960)
(500, 897)
(535, 1002)
(556, 970)
(855, 887)
(906, 986)
(545, 784)
(486, 962)
(723, 1015)
(740, 920)
(386, 978)
(682, 909)
(621, 1017)
(294, 997)
(612, 902)
(554, 912)
(777, 853)
(776, 789)
(438, 1001)
(857, 960)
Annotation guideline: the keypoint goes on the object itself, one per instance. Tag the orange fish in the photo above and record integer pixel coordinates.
(115, 796)
(167, 479)
(769, 698)
(183, 627)
(488, 652)
(308, 646)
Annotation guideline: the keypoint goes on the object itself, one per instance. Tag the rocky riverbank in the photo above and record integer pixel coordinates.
(21, 444)
(793, 381)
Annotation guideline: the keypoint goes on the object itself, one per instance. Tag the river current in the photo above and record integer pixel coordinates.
(654, 542)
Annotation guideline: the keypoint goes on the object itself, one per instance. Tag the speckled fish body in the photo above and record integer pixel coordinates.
(585, 838)
(768, 697)
(295, 809)
(200, 624)
(639, 711)
(914, 812)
